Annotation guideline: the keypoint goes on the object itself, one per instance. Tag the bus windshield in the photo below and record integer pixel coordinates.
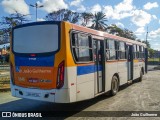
(36, 39)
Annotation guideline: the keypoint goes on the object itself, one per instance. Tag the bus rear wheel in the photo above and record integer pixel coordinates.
(114, 85)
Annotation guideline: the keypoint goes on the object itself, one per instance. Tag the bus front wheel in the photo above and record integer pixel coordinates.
(114, 85)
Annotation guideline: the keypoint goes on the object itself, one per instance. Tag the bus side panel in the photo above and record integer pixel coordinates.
(111, 69)
(136, 71)
(85, 86)
(72, 82)
(142, 65)
(139, 68)
(71, 72)
(122, 71)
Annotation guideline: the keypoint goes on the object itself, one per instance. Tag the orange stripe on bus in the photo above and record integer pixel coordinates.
(85, 64)
(116, 61)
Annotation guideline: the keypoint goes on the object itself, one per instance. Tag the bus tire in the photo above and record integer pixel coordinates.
(141, 76)
(114, 85)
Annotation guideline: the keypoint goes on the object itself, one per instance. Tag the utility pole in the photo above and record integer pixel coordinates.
(36, 6)
(147, 36)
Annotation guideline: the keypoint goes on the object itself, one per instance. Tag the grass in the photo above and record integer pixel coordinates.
(4, 79)
(154, 59)
(5, 82)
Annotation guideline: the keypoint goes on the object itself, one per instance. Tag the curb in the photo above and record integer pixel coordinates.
(157, 68)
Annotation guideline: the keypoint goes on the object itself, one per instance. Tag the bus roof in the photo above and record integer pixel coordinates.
(105, 34)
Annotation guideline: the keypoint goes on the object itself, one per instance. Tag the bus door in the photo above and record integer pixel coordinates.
(130, 61)
(98, 46)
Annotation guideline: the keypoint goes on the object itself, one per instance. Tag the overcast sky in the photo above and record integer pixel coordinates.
(134, 15)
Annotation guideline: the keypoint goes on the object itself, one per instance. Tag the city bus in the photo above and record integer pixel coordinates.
(60, 62)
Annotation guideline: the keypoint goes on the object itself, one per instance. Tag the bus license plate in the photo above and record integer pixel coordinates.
(33, 94)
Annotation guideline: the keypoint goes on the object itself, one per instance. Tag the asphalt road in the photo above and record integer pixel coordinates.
(139, 96)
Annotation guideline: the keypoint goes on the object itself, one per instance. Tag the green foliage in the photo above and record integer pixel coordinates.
(63, 15)
(86, 17)
(12, 20)
(129, 34)
(99, 20)
(1, 32)
(147, 43)
(114, 29)
(154, 59)
(151, 52)
(139, 40)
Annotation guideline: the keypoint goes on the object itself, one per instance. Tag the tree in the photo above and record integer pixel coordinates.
(9, 22)
(86, 18)
(151, 52)
(129, 34)
(99, 20)
(147, 43)
(12, 20)
(1, 32)
(63, 15)
(139, 40)
(115, 30)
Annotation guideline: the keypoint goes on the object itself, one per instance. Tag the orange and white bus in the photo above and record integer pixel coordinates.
(62, 62)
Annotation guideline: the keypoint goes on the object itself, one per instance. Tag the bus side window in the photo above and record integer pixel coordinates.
(107, 50)
(140, 51)
(75, 45)
(135, 50)
(74, 39)
(122, 50)
(112, 51)
(82, 47)
(117, 49)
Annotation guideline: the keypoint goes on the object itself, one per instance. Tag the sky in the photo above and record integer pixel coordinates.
(135, 15)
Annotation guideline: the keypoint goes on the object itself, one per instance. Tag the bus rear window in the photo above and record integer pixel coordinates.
(36, 39)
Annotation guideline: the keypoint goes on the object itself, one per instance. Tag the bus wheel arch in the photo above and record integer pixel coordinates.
(115, 84)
